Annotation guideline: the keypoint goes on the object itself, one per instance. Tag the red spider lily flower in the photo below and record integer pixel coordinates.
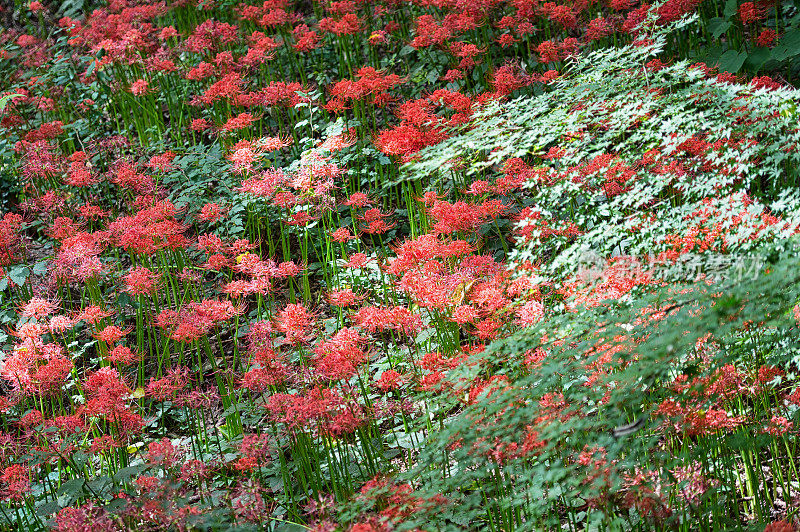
(200, 124)
(342, 235)
(29, 331)
(337, 142)
(123, 355)
(301, 218)
(453, 74)
(37, 308)
(530, 313)
(549, 52)
(240, 288)
(598, 28)
(36, 368)
(126, 175)
(256, 450)
(340, 357)
(295, 321)
(111, 334)
(16, 483)
(150, 229)
(389, 380)
(344, 298)
(266, 374)
(749, 12)
(59, 324)
(358, 199)
(92, 212)
(168, 32)
(141, 281)
(243, 158)
(210, 213)
(164, 454)
(375, 220)
(168, 386)
(139, 87)
(240, 121)
(268, 144)
(779, 526)
(778, 426)
(93, 314)
(400, 319)
(766, 38)
(305, 39)
(348, 24)
(162, 162)
(107, 396)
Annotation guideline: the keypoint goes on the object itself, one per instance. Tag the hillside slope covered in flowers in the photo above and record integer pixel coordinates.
(434, 265)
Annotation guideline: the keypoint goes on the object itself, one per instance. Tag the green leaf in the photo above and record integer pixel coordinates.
(788, 46)
(19, 274)
(40, 268)
(433, 76)
(127, 473)
(70, 491)
(732, 61)
(48, 508)
(731, 7)
(7, 98)
(717, 26)
(757, 58)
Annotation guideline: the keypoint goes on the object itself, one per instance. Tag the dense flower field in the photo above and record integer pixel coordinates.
(399, 265)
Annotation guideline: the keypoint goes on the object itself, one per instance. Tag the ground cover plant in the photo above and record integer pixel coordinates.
(424, 265)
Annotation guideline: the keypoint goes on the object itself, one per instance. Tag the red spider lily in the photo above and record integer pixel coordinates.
(369, 83)
(256, 450)
(749, 12)
(124, 356)
(337, 142)
(111, 334)
(162, 162)
(92, 314)
(60, 324)
(295, 321)
(344, 298)
(375, 221)
(240, 121)
(149, 230)
(320, 409)
(270, 370)
(398, 318)
(348, 24)
(210, 213)
(139, 87)
(36, 368)
(305, 39)
(766, 38)
(164, 454)
(16, 483)
(389, 380)
(342, 235)
(169, 385)
(358, 199)
(141, 281)
(10, 225)
(107, 395)
(37, 308)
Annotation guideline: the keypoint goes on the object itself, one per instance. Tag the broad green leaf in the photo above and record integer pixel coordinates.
(717, 26)
(788, 46)
(732, 61)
